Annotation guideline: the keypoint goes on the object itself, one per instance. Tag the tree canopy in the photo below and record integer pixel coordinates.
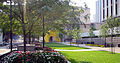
(58, 14)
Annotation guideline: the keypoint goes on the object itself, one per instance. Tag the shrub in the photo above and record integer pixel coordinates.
(38, 48)
(73, 42)
(95, 45)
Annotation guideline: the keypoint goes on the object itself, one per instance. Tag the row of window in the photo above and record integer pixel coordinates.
(107, 2)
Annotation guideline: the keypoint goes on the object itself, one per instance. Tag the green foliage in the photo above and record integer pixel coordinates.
(77, 33)
(103, 30)
(110, 27)
(92, 28)
(58, 15)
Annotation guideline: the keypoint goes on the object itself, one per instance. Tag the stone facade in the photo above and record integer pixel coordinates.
(100, 41)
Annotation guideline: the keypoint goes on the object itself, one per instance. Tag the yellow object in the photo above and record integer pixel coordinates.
(52, 34)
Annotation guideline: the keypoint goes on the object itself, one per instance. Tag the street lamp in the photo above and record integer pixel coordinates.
(11, 24)
(24, 18)
(43, 32)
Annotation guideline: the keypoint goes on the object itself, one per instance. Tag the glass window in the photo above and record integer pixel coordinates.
(111, 1)
(103, 3)
(103, 13)
(116, 9)
(107, 2)
(107, 12)
(111, 10)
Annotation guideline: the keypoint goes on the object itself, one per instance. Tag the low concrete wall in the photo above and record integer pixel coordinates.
(28, 47)
(101, 41)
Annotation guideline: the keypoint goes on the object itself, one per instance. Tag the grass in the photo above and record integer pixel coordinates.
(91, 57)
(62, 46)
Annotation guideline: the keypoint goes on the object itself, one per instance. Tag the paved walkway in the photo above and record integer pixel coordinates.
(78, 50)
(3, 51)
(116, 49)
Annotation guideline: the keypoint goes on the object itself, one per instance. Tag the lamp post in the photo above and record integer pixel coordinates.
(11, 25)
(24, 33)
(43, 32)
(24, 14)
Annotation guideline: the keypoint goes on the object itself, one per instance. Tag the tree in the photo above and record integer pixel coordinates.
(56, 14)
(112, 23)
(91, 34)
(104, 32)
(110, 28)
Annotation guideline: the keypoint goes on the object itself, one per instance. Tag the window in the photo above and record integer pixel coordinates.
(103, 3)
(107, 2)
(111, 1)
(103, 13)
(116, 7)
(111, 10)
(107, 12)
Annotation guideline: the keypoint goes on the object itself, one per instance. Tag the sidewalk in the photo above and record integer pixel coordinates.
(3, 51)
(78, 50)
(117, 49)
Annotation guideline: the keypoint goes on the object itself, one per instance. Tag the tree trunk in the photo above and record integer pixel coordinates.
(111, 44)
(29, 37)
(105, 42)
(91, 39)
(24, 31)
(70, 42)
(38, 38)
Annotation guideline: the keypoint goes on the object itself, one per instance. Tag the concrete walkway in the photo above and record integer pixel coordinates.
(116, 49)
(78, 50)
(3, 51)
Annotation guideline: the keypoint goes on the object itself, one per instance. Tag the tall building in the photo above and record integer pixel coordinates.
(110, 8)
(98, 10)
(107, 8)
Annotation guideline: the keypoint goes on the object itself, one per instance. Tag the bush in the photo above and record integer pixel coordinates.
(95, 45)
(38, 48)
(73, 42)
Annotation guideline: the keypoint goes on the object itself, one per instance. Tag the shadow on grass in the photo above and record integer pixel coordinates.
(74, 61)
(61, 45)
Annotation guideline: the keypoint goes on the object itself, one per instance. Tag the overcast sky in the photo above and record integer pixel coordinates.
(90, 3)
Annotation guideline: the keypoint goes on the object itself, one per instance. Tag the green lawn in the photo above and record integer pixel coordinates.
(91, 57)
(64, 47)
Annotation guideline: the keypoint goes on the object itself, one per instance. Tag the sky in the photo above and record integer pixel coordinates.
(90, 3)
